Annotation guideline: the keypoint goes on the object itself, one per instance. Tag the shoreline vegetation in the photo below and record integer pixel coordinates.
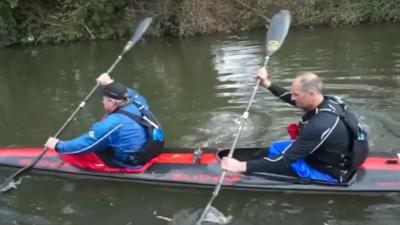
(53, 21)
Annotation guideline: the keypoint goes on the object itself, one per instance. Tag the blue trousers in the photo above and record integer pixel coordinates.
(300, 167)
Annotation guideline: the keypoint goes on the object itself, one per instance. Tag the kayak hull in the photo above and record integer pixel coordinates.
(200, 168)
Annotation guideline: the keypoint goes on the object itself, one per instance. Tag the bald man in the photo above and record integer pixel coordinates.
(322, 150)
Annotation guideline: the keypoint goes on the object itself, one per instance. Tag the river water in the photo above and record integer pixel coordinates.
(198, 88)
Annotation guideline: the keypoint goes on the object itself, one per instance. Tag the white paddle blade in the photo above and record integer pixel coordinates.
(214, 216)
(277, 31)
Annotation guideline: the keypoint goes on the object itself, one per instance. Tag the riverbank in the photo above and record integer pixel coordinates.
(43, 21)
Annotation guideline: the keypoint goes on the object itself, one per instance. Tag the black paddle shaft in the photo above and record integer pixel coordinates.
(132, 41)
(276, 34)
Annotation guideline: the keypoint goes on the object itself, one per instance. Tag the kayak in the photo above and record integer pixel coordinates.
(199, 167)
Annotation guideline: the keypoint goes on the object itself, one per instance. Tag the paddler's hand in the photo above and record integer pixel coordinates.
(233, 165)
(51, 142)
(104, 79)
(262, 75)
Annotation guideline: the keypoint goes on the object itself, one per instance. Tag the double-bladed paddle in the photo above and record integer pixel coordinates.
(10, 182)
(276, 34)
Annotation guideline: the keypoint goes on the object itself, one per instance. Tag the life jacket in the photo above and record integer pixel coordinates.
(359, 149)
(155, 136)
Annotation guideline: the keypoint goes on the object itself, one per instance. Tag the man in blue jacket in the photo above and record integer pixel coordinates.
(127, 137)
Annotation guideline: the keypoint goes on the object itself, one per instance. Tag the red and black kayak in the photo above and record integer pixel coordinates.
(200, 168)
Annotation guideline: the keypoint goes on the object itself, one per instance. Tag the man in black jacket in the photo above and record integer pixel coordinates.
(323, 148)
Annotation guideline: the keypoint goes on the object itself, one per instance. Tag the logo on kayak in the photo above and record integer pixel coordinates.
(273, 45)
(203, 177)
(42, 164)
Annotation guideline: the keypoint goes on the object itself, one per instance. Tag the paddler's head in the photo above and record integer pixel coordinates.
(307, 91)
(115, 95)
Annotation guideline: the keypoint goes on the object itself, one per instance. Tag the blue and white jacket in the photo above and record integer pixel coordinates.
(116, 131)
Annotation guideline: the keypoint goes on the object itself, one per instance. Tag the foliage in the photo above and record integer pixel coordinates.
(41, 21)
(63, 20)
(350, 12)
(8, 30)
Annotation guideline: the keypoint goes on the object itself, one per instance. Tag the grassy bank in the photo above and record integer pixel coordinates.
(43, 21)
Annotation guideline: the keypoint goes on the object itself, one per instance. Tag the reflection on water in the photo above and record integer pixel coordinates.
(235, 61)
(198, 88)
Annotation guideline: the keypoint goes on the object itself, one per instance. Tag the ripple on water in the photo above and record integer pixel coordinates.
(12, 217)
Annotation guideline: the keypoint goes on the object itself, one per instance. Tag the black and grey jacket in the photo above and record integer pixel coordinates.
(324, 142)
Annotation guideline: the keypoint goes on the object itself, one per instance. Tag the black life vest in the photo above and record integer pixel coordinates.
(359, 149)
(155, 136)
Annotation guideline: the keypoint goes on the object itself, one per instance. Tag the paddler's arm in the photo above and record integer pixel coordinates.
(278, 91)
(308, 141)
(233, 165)
(97, 138)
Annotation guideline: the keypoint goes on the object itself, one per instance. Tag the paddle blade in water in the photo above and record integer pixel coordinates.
(277, 31)
(190, 217)
(185, 217)
(12, 184)
(214, 216)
